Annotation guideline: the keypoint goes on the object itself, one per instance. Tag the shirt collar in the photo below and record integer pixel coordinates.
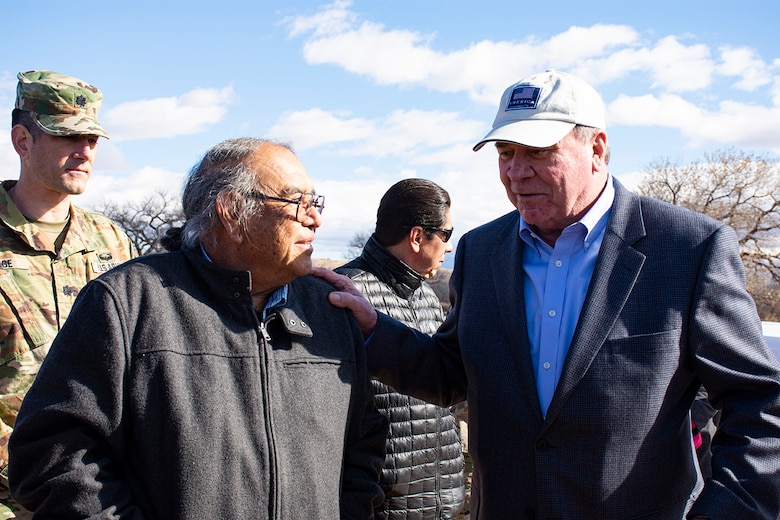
(277, 298)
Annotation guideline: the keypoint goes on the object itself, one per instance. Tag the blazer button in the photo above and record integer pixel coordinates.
(542, 445)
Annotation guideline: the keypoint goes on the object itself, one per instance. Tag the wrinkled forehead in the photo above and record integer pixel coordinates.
(280, 171)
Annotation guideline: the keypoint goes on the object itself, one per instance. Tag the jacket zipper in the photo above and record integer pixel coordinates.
(274, 502)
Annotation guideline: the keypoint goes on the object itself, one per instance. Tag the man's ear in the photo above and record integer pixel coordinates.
(415, 238)
(226, 205)
(22, 140)
(600, 152)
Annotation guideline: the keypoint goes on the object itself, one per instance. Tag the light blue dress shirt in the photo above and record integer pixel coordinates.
(555, 280)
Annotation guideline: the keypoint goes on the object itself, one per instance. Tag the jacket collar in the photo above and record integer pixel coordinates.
(400, 277)
(227, 285)
(233, 286)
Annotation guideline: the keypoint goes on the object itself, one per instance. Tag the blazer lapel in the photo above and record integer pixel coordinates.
(617, 269)
(507, 269)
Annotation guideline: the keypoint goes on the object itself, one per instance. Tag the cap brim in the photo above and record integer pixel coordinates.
(536, 133)
(70, 125)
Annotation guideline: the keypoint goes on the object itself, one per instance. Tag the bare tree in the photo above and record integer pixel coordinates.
(742, 190)
(355, 246)
(145, 222)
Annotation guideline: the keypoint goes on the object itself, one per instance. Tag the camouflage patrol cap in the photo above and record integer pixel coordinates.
(60, 104)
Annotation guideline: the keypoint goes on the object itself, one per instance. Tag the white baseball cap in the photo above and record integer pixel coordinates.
(540, 110)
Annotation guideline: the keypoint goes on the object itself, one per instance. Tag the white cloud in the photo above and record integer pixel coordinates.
(189, 113)
(631, 179)
(331, 18)
(669, 65)
(743, 62)
(579, 49)
(747, 126)
(316, 127)
(600, 53)
(404, 57)
(666, 110)
(476, 191)
(776, 88)
(486, 68)
(110, 157)
(372, 51)
(416, 132)
(350, 206)
(732, 123)
(678, 68)
(400, 132)
(133, 187)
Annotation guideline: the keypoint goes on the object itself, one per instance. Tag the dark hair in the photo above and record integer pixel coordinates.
(409, 203)
(24, 118)
(224, 168)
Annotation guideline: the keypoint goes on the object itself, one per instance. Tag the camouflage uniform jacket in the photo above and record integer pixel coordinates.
(38, 288)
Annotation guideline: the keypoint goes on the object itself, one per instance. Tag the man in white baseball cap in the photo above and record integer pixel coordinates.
(582, 324)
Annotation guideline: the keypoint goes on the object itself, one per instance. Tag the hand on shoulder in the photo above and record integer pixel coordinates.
(346, 296)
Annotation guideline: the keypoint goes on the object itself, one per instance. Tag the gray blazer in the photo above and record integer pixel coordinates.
(666, 310)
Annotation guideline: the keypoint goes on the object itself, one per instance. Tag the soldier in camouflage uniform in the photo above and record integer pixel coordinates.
(49, 248)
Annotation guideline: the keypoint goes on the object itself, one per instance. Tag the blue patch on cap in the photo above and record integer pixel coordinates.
(523, 97)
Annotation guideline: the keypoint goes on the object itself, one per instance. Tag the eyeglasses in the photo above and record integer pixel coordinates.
(447, 233)
(305, 201)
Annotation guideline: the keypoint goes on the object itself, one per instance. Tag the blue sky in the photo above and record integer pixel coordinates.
(373, 91)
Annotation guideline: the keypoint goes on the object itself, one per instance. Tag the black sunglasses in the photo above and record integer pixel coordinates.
(447, 233)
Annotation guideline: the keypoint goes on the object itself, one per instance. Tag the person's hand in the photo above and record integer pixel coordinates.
(347, 296)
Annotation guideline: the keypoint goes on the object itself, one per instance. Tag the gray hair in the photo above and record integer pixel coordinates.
(585, 134)
(224, 168)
